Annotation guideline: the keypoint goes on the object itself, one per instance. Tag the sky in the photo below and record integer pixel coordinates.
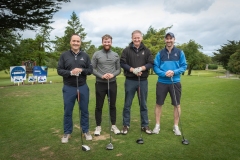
(210, 23)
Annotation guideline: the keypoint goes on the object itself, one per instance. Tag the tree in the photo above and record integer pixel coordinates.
(193, 55)
(8, 47)
(91, 50)
(223, 54)
(203, 60)
(24, 14)
(43, 43)
(234, 62)
(51, 63)
(26, 50)
(74, 27)
(34, 49)
(118, 50)
(154, 40)
(21, 15)
(151, 31)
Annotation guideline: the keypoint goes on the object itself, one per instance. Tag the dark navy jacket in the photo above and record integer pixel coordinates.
(68, 61)
(133, 57)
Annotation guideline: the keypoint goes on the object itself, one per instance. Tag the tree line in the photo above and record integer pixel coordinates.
(43, 50)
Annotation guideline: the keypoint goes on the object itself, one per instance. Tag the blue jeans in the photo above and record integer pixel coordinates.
(69, 98)
(131, 87)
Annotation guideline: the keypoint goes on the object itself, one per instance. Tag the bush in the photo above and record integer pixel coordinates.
(212, 66)
(199, 67)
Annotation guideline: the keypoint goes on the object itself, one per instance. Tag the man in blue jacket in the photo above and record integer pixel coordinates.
(169, 64)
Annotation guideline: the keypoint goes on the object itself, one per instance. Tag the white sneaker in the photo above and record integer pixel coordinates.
(156, 129)
(176, 130)
(65, 138)
(97, 131)
(115, 129)
(88, 136)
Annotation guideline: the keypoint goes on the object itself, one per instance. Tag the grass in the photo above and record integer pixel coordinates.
(31, 122)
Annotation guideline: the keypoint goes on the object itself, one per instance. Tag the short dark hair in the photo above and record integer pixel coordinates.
(75, 34)
(106, 36)
(136, 31)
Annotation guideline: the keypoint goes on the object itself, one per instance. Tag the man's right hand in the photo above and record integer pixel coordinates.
(169, 73)
(76, 71)
(136, 71)
(107, 76)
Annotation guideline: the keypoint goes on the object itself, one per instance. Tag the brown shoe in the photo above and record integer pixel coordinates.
(125, 130)
(147, 130)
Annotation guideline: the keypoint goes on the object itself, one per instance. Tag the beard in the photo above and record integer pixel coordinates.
(106, 48)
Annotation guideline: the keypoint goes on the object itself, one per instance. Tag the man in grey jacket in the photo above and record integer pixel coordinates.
(106, 66)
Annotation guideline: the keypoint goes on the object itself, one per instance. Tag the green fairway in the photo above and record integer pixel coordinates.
(31, 122)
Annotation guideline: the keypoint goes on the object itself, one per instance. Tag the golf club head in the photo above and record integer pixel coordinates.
(85, 148)
(109, 146)
(139, 141)
(185, 141)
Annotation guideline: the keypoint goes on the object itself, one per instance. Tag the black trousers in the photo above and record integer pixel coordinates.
(101, 90)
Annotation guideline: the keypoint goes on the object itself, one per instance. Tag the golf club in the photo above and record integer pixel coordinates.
(139, 140)
(84, 147)
(109, 146)
(184, 141)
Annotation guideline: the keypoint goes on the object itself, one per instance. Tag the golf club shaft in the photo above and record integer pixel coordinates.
(177, 107)
(139, 97)
(78, 100)
(109, 112)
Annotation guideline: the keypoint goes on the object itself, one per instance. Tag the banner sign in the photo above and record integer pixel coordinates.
(18, 79)
(18, 73)
(32, 79)
(42, 79)
(40, 71)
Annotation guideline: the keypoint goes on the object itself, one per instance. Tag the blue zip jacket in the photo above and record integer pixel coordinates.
(164, 61)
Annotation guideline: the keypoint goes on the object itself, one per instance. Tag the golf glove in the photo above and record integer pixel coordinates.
(137, 70)
(75, 74)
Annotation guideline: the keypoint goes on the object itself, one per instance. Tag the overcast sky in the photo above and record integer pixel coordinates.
(210, 23)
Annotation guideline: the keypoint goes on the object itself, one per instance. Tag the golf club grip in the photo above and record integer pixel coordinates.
(78, 96)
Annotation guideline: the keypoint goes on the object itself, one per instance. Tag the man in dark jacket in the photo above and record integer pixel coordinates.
(75, 65)
(136, 60)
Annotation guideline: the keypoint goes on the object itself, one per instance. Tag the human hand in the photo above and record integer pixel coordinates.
(76, 71)
(104, 76)
(110, 75)
(169, 73)
(107, 76)
(136, 71)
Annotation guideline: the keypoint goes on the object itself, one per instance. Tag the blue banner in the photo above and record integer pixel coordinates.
(18, 71)
(40, 71)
